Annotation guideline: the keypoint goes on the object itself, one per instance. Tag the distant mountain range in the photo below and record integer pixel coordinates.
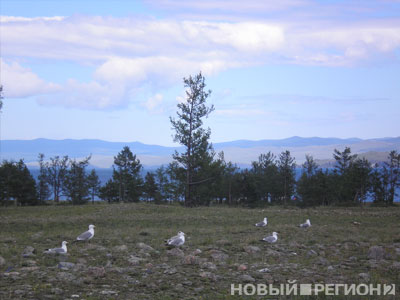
(241, 152)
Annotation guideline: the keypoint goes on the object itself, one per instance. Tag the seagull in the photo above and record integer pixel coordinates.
(87, 235)
(177, 240)
(263, 223)
(62, 250)
(271, 239)
(306, 224)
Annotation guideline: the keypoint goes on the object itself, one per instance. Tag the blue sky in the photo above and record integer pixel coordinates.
(113, 70)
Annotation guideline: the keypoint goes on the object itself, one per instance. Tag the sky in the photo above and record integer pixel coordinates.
(113, 70)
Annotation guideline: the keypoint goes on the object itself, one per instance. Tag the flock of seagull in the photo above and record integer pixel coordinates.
(274, 237)
(86, 236)
(176, 241)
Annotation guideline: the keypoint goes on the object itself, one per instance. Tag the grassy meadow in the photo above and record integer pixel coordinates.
(127, 258)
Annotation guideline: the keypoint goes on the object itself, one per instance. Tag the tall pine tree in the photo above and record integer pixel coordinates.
(190, 133)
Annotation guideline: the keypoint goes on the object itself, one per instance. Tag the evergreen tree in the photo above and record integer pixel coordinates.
(386, 179)
(190, 133)
(266, 175)
(393, 167)
(126, 175)
(93, 184)
(286, 170)
(150, 189)
(17, 184)
(361, 179)
(228, 190)
(43, 180)
(163, 184)
(343, 175)
(311, 187)
(76, 186)
(177, 181)
(109, 192)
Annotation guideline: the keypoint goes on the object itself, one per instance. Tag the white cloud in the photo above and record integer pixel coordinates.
(131, 53)
(343, 45)
(22, 82)
(229, 5)
(153, 103)
(91, 95)
(7, 19)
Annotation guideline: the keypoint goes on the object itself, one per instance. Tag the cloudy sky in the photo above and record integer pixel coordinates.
(113, 70)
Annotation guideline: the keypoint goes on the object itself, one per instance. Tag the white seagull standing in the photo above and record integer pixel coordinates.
(62, 250)
(306, 224)
(177, 240)
(263, 223)
(272, 238)
(87, 235)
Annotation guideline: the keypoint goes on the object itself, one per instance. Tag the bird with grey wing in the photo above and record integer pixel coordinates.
(62, 250)
(263, 223)
(87, 235)
(177, 240)
(271, 239)
(306, 224)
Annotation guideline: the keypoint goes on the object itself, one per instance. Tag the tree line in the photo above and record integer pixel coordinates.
(200, 176)
(270, 180)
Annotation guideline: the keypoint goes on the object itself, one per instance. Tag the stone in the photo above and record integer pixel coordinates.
(65, 265)
(121, 248)
(246, 278)
(108, 292)
(134, 260)
(223, 243)
(191, 260)
(29, 269)
(2, 261)
(176, 252)
(322, 261)
(28, 251)
(29, 263)
(196, 252)
(13, 275)
(312, 253)
(376, 252)
(170, 271)
(65, 276)
(209, 275)
(96, 272)
(251, 249)
(395, 266)
(37, 235)
(56, 291)
(242, 267)
(208, 265)
(365, 277)
(219, 256)
(145, 247)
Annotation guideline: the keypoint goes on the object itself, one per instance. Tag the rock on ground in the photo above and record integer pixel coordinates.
(251, 249)
(376, 252)
(28, 251)
(176, 252)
